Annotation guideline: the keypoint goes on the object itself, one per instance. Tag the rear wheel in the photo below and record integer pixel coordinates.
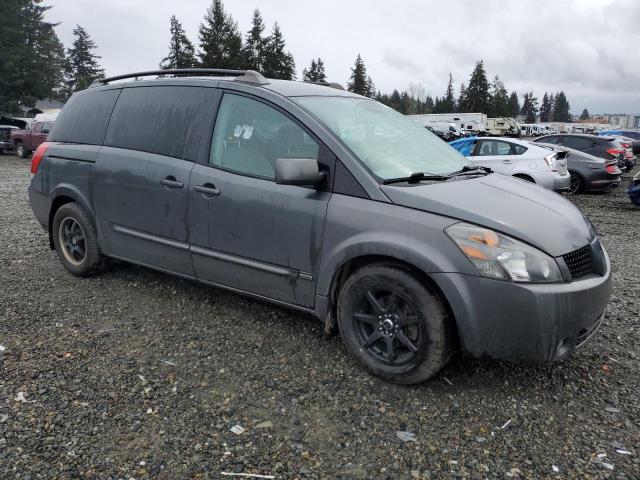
(577, 183)
(393, 324)
(21, 151)
(76, 241)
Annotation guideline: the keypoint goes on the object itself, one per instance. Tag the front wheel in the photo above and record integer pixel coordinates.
(393, 324)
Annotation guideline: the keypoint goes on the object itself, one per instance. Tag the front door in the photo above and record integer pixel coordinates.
(495, 154)
(247, 232)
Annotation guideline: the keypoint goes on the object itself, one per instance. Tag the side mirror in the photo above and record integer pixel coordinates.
(299, 171)
(44, 130)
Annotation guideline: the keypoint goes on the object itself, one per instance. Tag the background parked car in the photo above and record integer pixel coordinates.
(634, 190)
(5, 137)
(603, 147)
(28, 139)
(588, 172)
(517, 158)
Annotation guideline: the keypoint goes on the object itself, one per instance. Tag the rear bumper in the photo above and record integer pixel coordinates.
(561, 183)
(525, 322)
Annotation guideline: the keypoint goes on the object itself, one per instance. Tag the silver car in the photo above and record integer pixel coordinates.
(518, 158)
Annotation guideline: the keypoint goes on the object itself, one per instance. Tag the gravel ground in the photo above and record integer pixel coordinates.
(136, 374)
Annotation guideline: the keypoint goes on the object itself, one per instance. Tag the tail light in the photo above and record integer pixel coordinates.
(612, 169)
(38, 155)
(614, 152)
(626, 145)
(551, 162)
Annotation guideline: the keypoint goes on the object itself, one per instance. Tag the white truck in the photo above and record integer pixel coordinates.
(469, 122)
(503, 127)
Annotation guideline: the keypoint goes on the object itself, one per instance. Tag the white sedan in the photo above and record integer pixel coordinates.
(518, 158)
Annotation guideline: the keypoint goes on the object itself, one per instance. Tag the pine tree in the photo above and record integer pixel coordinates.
(220, 41)
(448, 102)
(181, 51)
(31, 56)
(315, 73)
(428, 104)
(478, 90)
(552, 107)
(499, 99)
(561, 111)
(514, 105)
(358, 82)
(370, 89)
(545, 108)
(585, 115)
(277, 62)
(529, 107)
(462, 99)
(82, 67)
(254, 43)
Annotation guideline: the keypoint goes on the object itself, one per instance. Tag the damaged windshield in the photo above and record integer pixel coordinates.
(389, 144)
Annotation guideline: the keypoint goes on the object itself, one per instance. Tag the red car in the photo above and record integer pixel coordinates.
(27, 140)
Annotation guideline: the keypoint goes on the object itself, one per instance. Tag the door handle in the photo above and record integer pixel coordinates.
(208, 190)
(171, 182)
(506, 161)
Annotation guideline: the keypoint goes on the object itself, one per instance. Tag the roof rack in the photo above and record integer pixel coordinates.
(329, 84)
(246, 76)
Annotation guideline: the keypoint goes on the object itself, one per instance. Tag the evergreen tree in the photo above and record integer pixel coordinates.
(220, 41)
(31, 56)
(428, 105)
(561, 111)
(462, 99)
(478, 90)
(181, 51)
(82, 67)
(277, 62)
(254, 44)
(370, 89)
(514, 105)
(358, 83)
(499, 103)
(315, 73)
(552, 107)
(545, 108)
(529, 107)
(439, 105)
(448, 103)
(585, 115)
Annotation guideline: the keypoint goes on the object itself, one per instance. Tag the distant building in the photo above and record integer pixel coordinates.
(624, 121)
(42, 106)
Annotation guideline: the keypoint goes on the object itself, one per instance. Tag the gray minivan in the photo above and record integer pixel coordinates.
(325, 201)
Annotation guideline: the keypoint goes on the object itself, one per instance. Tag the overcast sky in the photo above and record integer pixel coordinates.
(588, 48)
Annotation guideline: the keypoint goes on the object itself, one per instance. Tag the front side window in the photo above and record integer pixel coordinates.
(389, 144)
(494, 147)
(250, 136)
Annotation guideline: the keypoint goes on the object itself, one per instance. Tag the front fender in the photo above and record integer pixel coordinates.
(407, 235)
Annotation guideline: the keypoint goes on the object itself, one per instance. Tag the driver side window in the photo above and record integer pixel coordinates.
(250, 136)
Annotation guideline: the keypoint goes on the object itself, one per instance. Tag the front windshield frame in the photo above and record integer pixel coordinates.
(427, 168)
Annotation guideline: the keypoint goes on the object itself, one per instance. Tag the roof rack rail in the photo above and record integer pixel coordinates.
(335, 85)
(247, 76)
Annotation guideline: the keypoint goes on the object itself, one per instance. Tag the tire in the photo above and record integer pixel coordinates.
(371, 307)
(21, 151)
(577, 184)
(526, 178)
(76, 242)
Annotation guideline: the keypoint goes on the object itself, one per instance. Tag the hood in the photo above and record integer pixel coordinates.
(523, 210)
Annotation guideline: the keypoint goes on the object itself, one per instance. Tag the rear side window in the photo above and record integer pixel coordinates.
(578, 143)
(167, 120)
(85, 117)
(519, 149)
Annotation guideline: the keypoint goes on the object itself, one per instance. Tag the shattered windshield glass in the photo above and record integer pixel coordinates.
(388, 143)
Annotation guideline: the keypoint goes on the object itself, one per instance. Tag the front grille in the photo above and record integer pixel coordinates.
(579, 262)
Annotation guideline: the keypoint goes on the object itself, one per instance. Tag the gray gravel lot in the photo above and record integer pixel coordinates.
(137, 374)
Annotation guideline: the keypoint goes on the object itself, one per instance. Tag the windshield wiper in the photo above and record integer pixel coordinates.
(416, 178)
(470, 170)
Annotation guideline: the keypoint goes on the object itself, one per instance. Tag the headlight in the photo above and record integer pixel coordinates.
(498, 256)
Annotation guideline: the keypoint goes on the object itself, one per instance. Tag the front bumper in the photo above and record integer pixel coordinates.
(6, 145)
(525, 322)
